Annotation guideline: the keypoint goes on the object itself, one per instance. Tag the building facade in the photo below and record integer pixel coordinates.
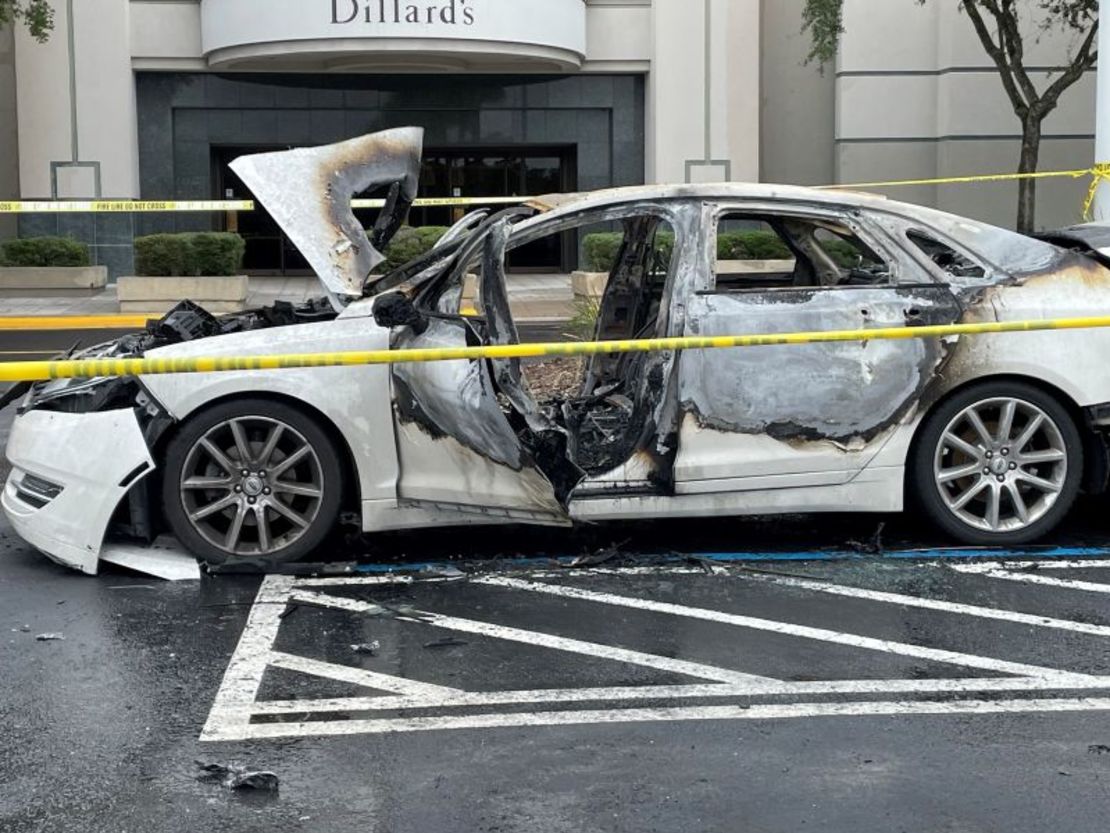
(151, 98)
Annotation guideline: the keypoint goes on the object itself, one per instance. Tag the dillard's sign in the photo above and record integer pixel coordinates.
(446, 13)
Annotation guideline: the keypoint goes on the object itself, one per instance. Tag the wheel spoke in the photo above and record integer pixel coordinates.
(1027, 435)
(1039, 482)
(1020, 509)
(969, 495)
(994, 506)
(290, 461)
(242, 445)
(300, 490)
(207, 483)
(948, 475)
(1050, 455)
(213, 508)
(271, 445)
(1006, 420)
(263, 528)
(218, 456)
(288, 513)
(967, 448)
(236, 528)
(980, 428)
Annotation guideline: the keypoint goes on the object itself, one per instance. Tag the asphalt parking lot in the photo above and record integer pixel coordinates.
(500, 692)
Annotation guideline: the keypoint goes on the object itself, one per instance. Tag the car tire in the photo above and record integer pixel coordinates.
(998, 463)
(276, 506)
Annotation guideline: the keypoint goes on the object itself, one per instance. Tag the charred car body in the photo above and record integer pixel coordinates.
(993, 435)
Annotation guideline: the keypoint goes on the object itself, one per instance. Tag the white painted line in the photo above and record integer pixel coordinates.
(641, 693)
(239, 687)
(259, 731)
(545, 640)
(1048, 581)
(787, 629)
(1046, 564)
(932, 604)
(360, 676)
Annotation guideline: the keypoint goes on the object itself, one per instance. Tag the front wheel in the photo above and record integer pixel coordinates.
(252, 480)
(998, 463)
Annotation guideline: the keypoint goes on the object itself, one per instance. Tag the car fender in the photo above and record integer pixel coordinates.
(356, 400)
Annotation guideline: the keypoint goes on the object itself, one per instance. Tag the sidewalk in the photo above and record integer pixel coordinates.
(544, 297)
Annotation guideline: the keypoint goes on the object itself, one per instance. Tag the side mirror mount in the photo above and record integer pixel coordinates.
(396, 309)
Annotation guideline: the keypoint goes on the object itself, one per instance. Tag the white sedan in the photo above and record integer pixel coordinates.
(991, 436)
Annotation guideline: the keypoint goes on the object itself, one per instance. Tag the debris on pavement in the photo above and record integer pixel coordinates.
(446, 642)
(599, 557)
(1099, 748)
(49, 637)
(872, 546)
(368, 648)
(235, 777)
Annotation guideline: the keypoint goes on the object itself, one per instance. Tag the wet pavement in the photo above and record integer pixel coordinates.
(651, 692)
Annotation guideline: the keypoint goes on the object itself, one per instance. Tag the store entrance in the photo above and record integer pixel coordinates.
(454, 172)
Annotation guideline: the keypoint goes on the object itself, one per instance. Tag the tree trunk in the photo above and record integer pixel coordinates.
(1027, 188)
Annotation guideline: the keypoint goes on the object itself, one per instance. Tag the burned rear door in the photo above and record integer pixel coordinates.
(810, 414)
(459, 426)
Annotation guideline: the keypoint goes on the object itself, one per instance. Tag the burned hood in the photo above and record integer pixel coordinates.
(308, 191)
(1089, 237)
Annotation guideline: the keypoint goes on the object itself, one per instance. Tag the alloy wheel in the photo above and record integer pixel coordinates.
(1001, 464)
(251, 485)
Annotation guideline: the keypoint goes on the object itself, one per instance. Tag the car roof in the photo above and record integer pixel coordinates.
(709, 191)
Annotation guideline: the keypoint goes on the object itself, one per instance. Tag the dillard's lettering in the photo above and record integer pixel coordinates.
(447, 12)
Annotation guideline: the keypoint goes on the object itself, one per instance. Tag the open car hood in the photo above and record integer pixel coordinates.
(308, 191)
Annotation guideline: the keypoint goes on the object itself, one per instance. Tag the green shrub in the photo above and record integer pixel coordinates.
(843, 253)
(601, 250)
(164, 255)
(751, 245)
(409, 243)
(44, 251)
(217, 253)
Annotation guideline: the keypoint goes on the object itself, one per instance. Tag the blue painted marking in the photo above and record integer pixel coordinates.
(1046, 553)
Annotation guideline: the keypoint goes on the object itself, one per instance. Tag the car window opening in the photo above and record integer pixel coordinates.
(947, 259)
(760, 252)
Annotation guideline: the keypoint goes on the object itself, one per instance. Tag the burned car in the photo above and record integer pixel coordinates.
(992, 436)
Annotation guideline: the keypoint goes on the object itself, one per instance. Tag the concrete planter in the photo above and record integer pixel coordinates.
(215, 294)
(588, 284)
(52, 280)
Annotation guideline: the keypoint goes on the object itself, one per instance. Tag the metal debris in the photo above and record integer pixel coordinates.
(367, 648)
(236, 777)
(49, 637)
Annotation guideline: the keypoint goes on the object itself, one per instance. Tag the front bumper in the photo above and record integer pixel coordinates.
(80, 467)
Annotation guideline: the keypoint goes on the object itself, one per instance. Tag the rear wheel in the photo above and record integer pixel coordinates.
(998, 463)
(252, 480)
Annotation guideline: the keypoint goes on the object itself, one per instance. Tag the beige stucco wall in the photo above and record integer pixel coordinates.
(9, 137)
(917, 96)
(798, 102)
(106, 126)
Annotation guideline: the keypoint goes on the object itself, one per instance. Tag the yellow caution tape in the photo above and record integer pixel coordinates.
(77, 322)
(33, 371)
(117, 206)
(432, 202)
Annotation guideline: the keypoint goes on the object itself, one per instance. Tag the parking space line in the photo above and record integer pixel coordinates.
(260, 731)
(243, 677)
(1044, 581)
(360, 676)
(988, 566)
(932, 604)
(545, 640)
(467, 699)
(787, 629)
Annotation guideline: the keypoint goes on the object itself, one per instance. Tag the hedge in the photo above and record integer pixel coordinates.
(601, 249)
(409, 243)
(207, 254)
(44, 251)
